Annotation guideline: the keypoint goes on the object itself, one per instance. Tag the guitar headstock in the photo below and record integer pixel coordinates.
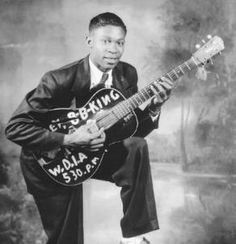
(211, 48)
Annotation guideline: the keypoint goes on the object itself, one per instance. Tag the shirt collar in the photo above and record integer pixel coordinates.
(96, 73)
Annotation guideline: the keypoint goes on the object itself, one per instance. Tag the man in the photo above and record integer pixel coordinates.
(126, 163)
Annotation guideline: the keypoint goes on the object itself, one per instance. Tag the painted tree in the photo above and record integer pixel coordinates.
(212, 100)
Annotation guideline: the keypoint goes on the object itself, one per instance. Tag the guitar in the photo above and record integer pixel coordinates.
(112, 111)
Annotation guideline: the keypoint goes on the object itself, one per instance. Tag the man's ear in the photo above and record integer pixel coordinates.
(88, 40)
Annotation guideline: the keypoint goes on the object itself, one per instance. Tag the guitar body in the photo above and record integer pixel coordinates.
(70, 166)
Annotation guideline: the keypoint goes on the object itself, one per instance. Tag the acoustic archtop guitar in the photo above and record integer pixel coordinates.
(111, 110)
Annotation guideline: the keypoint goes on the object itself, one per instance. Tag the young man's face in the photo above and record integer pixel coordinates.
(106, 46)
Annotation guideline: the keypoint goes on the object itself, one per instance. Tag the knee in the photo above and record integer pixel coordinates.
(136, 143)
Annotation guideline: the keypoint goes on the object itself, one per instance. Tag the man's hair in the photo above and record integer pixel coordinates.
(106, 19)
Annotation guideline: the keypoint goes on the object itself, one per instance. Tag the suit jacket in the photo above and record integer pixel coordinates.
(57, 89)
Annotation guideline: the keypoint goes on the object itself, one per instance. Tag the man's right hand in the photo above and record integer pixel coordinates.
(88, 136)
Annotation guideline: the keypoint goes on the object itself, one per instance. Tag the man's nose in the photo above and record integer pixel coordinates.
(113, 48)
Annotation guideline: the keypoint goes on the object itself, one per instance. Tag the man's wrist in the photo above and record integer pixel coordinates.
(154, 112)
(66, 140)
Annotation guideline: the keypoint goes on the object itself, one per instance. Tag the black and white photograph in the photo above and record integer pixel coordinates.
(117, 122)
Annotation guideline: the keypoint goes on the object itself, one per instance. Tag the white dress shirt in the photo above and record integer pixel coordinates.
(96, 75)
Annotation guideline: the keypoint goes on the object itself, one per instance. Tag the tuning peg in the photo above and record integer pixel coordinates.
(209, 37)
(197, 46)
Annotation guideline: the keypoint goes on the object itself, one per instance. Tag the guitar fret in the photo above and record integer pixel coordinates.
(176, 74)
(194, 61)
(139, 100)
(132, 103)
(109, 120)
(150, 91)
(169, 76)
(136, 100)
(172, 75)
(125, 107)
(186, 63)
(119, 112)
(146, 95)
(181, 69)
(127, 104)
(142, 96)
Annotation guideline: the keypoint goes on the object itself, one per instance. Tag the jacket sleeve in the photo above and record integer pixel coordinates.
(24, 129)
(146, 123)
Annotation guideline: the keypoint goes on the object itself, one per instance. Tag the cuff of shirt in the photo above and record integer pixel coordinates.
(154, 116)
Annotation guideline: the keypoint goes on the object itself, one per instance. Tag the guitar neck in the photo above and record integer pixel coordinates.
(125, 107)
(146, 93)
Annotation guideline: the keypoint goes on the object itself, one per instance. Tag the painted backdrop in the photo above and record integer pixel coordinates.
(193, 152)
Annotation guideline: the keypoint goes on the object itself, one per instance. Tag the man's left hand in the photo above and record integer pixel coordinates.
(162, 90)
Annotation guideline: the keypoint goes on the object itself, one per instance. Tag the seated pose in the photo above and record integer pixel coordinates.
(126, 163)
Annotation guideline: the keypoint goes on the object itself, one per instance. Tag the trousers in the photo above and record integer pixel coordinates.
(127, 165)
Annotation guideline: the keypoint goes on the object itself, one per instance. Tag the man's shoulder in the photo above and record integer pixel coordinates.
(68, 68)
(128, 71)
(125, 66)
(66, 75)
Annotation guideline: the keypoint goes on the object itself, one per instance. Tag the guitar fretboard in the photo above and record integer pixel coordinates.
(125, 107)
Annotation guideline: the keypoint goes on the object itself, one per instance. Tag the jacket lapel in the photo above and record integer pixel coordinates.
(119, 82)
(81, 86)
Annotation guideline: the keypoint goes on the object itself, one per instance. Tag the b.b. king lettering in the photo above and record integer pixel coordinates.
(92, 107)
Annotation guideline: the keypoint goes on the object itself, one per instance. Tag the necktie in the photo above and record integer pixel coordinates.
(104, 78)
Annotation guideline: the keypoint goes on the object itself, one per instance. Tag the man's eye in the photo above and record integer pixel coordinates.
(121, 44)
(106, 41)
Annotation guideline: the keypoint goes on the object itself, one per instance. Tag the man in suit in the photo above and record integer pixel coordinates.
(126, 164)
